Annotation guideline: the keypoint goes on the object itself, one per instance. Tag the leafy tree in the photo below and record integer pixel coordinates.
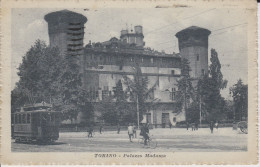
(38, 75)
(107, 109)
(139, 91)
(121, 106)
(209, 90)
(46, 75)
(239, 92)
(185, 92)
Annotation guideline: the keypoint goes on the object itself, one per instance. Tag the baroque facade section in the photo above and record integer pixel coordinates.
(104, 64)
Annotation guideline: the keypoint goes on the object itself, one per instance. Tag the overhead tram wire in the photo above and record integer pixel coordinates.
(217, 30)
(229, 27)
(179, 21)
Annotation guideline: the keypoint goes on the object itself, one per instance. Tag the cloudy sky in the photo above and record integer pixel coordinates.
(228, 27)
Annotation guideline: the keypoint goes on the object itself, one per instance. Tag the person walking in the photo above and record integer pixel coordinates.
(211, 126)
(193, 126)
(145, 133)
(90, 131)
(118, 128)
(170, 124)
(187, 125)
(100, 128)
(130, 132)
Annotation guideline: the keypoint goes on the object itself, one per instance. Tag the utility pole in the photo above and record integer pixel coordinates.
(200, 110)
(185, 105)
(137, 110)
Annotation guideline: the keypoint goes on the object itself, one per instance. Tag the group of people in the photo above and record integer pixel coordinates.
(90, 130)
(144, 132)
(195, 126)
(131, 131)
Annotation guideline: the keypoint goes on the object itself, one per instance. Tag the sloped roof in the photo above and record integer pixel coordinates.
(64, 15)
(193, 29)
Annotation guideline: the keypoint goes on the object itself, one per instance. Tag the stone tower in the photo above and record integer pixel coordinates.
(133, 37)
(193, 46)
(66, 31)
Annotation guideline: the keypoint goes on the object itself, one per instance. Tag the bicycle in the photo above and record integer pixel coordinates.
(151, 142)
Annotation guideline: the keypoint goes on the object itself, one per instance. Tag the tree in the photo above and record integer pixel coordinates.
(209, 90)
(113, 107)
(107, 109)
(139, 91)
(46, 75)
(185, 92)
(239, 92)
(121, 106)
(38, 75)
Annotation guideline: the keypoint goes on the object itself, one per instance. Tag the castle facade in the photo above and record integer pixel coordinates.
(104, 64)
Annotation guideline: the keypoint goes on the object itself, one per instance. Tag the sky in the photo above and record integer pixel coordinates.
(228, 32)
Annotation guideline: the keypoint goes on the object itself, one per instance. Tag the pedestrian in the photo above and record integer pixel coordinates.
(90, 131)
(193, 126)
(211, 126)
(145, 132)
(216, 125)
(134, 127)
(118, 128)
(170, 124)
(130, 132)
(196, 126)
(187, 125)
(100, 128)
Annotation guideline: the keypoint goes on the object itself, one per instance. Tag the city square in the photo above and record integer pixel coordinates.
(169, 140)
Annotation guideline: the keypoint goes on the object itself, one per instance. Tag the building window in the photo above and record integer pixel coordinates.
(151, 94)
(203, 72)
(96, 95)
(198, 57)
(28, 118)
(172, 72)
(105, 94)
(23, 118)
(20, 118)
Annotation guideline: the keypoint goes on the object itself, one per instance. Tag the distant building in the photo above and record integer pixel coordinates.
(105, 63)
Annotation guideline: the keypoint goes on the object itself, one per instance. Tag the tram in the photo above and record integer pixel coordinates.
(36, 122)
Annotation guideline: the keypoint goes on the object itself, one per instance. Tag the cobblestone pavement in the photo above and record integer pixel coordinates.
(176, 139)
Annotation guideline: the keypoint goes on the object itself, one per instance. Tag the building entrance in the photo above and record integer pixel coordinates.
(165, 119)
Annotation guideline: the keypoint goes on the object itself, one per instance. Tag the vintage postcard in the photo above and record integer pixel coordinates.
(129, 82)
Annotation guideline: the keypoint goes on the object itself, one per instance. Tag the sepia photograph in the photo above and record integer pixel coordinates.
(83, 82)
(131, 82)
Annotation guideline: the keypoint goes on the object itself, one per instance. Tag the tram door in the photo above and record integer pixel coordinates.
(165, 119)
(36, 124)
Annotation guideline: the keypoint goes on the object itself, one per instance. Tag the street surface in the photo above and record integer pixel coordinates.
(177, 140)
